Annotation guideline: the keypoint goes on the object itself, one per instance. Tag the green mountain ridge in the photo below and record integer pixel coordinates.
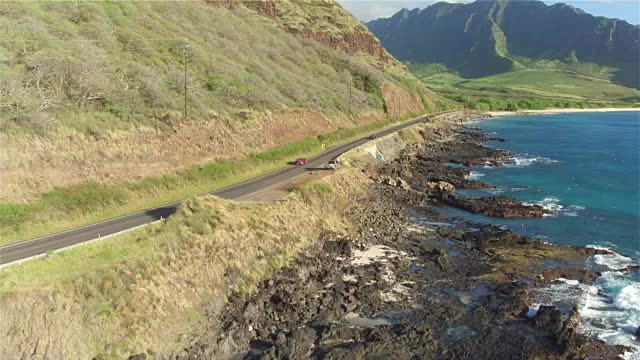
(486, 38)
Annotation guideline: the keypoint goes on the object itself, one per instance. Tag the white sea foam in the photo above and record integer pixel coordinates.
(613, 261)
(525, 159)
(474, 175)
(533, 310)
(610, 309)
(598, 247)
(613, 314)
(628, 298)
(501, 190)
(612, 317)
(553, 205)
(548, 203)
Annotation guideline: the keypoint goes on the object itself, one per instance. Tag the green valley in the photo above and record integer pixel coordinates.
(517, 51)
(550, 85)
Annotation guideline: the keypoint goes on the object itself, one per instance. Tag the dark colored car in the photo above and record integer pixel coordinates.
(301, 161)
(371, 137)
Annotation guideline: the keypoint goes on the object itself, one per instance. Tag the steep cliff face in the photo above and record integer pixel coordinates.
(351, 42)
(489, 37)
(324, 21)
(328, 23)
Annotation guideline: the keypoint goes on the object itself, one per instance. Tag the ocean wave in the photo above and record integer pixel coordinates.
(474, 175)
(613, 261)
(553, 205)
(500, 190)
(609, 309)
(628, 298)
(520, 160)
(562, 293)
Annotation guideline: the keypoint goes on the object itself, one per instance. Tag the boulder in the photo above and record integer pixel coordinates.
(395, 182)
(387, 180)
(495, 206)
(403, 184)
(582, 275)
(550, 318)
(441, 186)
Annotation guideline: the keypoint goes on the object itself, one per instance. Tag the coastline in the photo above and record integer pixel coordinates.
(617, 272)
(557, 111)
(362, 263)
(411, 282)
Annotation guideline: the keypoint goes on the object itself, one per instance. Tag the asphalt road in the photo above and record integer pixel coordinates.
(39, 246)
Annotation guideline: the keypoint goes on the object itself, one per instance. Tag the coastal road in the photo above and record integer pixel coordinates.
(42, 245)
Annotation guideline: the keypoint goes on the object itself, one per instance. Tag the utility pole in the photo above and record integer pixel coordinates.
(350, 86)
(210, 61)
(185, 77)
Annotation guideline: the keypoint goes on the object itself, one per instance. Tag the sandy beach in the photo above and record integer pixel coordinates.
(557, 111)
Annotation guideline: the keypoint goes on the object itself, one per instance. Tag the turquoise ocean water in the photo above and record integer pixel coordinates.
(585, 167)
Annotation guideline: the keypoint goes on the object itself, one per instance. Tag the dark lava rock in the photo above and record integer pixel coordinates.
(550, 318)
(631, 268)
(486, 235)
(495, 206)
(597, 349)
(340, 247)
(582, 275)
(467, 154)
(440, 257)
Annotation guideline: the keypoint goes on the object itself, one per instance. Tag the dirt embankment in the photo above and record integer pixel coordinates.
(31, 165)
(350, 40)
(399, 100)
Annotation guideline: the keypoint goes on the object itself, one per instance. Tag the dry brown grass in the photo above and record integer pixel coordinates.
(149, 288)
(30, 165)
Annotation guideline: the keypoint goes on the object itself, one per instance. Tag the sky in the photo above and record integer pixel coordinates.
(367, 10)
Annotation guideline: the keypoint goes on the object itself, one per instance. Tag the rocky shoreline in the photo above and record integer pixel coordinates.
(409, 283)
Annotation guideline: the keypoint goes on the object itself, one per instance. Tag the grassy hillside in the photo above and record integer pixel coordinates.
(106, 65)
(96, 92)
(118, 91)
(154, 287)
(559, 86)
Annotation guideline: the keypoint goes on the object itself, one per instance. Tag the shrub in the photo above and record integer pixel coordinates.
(12, 214)
(86, 197)
(288, 151)
(313, 190)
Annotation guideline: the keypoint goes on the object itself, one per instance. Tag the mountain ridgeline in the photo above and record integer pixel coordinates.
(490, 37)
